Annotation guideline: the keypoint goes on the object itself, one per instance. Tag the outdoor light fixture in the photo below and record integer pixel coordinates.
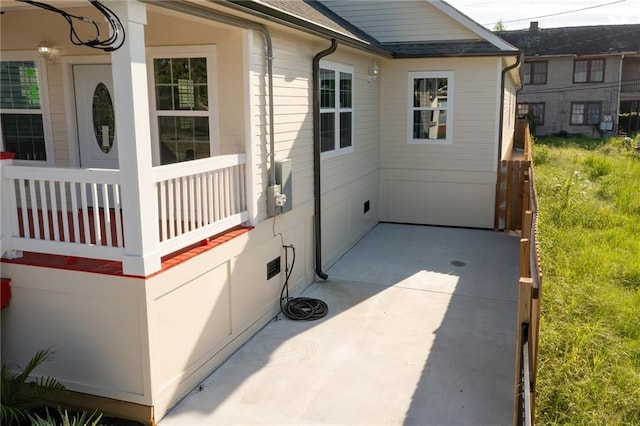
(373, 72)
(49, 53)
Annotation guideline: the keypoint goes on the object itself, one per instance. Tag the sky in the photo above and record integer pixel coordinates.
(599, 12)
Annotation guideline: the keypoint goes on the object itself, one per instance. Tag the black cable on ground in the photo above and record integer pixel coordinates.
(299, 308)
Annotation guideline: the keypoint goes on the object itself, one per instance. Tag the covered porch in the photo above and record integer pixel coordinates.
(125, 156)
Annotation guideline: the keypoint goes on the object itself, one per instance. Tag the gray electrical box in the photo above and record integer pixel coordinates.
(283, 177)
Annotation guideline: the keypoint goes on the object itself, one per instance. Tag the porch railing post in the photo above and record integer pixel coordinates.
(9, 210)
(139, 198)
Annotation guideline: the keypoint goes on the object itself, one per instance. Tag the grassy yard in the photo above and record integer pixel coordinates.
(589, 235)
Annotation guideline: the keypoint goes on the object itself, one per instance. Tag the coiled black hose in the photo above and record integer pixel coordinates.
(299, 308)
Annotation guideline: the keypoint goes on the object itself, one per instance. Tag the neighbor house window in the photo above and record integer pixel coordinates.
(336, 108)
(588, 71)
(184, 109)
(430, 107)
(536, 109)
(585, 112)
(22, 116)
(535, 72)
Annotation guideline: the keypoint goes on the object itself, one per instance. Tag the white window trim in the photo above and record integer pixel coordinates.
(338, 68)
(410, 108)
(27, 55)
(207, 51)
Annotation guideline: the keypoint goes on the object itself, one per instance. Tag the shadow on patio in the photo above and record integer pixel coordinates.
(421, 330)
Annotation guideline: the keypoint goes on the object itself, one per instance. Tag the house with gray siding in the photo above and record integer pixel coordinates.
(580, 79)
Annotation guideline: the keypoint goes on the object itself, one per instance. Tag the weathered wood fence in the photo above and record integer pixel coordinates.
(522, 209)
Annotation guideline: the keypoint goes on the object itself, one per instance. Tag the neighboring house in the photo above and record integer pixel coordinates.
(145, 269)
(580, 79)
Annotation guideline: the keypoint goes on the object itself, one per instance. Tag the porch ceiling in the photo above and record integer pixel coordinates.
(421, 330)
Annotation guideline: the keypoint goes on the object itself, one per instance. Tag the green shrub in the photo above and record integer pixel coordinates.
(18, 396)
(81, 418)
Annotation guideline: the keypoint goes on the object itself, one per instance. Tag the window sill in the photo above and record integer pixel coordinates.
(336, 153)
(430, 142)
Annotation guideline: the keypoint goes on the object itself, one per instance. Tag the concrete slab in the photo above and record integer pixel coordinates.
(420, 331)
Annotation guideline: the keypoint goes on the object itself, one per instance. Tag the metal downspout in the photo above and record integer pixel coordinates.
(502, 84)
(316, 155)
(242, 23)
(505, 70)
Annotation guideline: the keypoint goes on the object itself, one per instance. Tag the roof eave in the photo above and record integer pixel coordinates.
(273, 15)
(456, 55)
(476, 28)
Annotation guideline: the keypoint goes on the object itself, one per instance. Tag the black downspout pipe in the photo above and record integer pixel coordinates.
(316, 154)
(505, 70)
(502, 84)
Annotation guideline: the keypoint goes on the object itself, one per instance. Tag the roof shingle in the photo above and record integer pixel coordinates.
(588, 40)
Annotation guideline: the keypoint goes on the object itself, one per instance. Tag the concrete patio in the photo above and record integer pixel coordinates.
(420, 331)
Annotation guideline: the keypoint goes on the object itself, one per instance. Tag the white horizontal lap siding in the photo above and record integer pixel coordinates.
(57, 114)
(508, 117)
(364, 158)
(474, 115)
(441, 184)
(396, 21)
(293, 73)
(259, 118)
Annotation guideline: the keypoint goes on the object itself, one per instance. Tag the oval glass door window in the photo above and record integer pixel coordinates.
(103, 118)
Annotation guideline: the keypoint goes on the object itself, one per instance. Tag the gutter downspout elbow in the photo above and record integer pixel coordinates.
(316, 156)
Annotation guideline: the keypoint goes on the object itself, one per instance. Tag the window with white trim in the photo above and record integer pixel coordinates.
(22, 113)
(430, 107)
(336, 108)
(184, 109)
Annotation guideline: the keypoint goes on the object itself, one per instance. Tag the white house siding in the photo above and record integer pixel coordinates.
(508, 115)
(204, 309)
(441, 184)
(348, 180)
(177, 326)
(229, 61)
(398, 21)
(560, 92)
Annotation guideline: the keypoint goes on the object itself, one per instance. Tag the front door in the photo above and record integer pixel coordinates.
(95, 116)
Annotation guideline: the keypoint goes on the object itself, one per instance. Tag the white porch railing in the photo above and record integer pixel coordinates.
(208, 200)
(72, 212)
(78, 212)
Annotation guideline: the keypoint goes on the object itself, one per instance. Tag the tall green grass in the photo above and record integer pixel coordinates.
(589, 235)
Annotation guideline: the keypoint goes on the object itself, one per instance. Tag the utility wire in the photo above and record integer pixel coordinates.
(583, 87)
(113, 42)
(561, 13)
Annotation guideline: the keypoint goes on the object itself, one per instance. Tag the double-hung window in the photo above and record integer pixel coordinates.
(22, 110)
(336, 108)
(536, 109)
(588, 71)
(184, 103)
(585, 113)
(535, 72)
(430, 107)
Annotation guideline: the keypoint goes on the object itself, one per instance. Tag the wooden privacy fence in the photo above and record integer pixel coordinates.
(512, 174)
(529, 295)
